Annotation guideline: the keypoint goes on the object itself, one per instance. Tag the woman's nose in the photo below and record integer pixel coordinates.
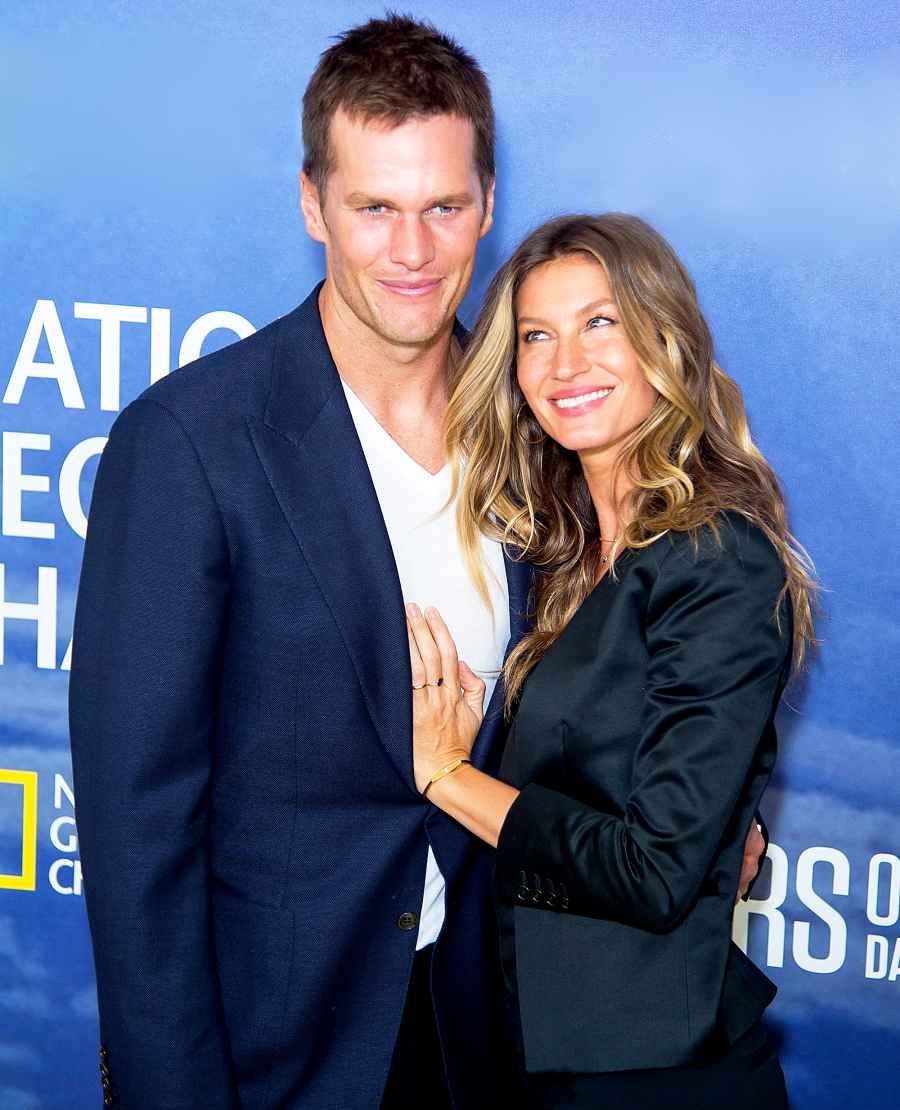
(411, 243)
(569, 359)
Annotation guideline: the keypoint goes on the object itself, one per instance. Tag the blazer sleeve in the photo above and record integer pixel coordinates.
(716, 667)
(144, 691)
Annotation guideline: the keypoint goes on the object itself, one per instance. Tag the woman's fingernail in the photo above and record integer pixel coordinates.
(413, 610)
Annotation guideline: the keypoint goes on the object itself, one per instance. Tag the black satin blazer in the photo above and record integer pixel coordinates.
(642, 744)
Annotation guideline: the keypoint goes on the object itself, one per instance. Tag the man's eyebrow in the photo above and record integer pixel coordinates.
(365, 200)
(605, 303)
(451, 200)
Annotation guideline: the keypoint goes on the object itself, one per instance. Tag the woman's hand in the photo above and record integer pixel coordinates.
(754, 853)
(448, 697)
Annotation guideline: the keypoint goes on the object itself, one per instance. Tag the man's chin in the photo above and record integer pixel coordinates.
(414, 328)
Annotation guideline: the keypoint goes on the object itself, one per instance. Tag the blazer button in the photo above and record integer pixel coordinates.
(407, 921)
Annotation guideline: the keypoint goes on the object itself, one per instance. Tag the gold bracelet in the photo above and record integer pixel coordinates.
(448, 770)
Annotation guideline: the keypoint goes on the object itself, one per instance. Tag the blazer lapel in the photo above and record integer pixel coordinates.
(519, 578)
(312, 457)
(309, 449)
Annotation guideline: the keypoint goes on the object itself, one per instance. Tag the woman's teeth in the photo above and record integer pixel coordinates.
(582, 398)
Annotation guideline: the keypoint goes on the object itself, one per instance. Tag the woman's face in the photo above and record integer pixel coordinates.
(576, 367)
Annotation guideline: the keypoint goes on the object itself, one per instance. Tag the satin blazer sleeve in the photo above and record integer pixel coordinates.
(717, 661)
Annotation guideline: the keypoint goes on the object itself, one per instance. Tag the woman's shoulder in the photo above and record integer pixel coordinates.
(730, 543)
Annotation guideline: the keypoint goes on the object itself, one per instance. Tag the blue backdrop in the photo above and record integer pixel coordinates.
(149, 203)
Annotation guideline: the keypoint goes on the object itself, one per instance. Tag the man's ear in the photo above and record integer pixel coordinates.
(488, 218)
(311, 208)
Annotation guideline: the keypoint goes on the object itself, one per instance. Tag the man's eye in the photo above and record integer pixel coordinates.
(375, 209)
(444, 209)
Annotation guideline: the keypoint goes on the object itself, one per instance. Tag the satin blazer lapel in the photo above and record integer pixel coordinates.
(519, 577)
(311, 454)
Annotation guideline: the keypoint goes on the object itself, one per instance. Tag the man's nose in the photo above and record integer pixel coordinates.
(411, 243)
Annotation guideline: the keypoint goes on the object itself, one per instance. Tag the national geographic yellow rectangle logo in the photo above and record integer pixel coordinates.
(28, 781)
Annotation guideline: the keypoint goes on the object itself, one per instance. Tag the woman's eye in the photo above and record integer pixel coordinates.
(531, 336)
(600, 321)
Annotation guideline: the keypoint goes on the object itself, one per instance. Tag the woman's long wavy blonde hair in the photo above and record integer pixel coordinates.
(691, 458)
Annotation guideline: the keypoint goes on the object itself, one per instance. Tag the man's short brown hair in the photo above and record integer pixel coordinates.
(392, 70)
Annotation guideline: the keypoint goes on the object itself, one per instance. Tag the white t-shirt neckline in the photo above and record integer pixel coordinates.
(421, 527)
(379, 439)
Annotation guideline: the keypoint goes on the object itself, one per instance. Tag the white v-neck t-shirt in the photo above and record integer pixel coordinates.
(433, 572)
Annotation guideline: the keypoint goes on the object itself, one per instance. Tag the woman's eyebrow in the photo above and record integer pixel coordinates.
(606, 303)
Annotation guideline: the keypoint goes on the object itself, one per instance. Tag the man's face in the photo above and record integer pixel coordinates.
(402, 216)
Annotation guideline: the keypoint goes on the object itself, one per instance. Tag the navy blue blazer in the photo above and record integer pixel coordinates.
(251, 834)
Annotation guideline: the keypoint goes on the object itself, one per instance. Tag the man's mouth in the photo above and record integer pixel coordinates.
(410, 289)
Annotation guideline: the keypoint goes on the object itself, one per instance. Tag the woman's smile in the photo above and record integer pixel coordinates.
(571, 403)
